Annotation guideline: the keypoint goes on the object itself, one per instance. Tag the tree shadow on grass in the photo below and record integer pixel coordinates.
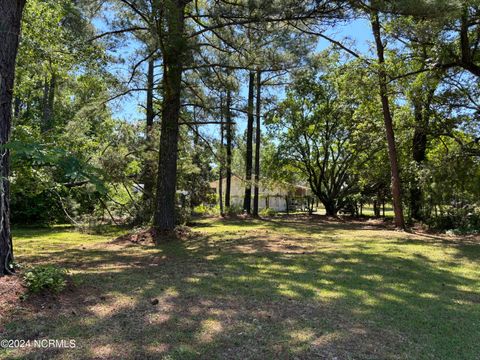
(217, 300)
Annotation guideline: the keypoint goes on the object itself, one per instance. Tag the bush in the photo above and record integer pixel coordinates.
(183, 210)
(45, 277)
(458, 220)
(206, 210)
(267, 212)
(234, 210)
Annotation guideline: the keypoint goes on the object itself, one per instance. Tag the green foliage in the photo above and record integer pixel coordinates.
(234, 210)
(45, 277)
(323, 135)
(183, 209)
(57, 159)
(267, 212)
(203, 209)
(460, 220)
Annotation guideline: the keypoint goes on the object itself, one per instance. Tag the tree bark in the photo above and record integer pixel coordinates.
(220, 171)
(257, 145)
(220, 168)
(466, 58)
(419, 148)
(376, 208)
(16, 108)
(150, 84)
(48, 102)
(387, 116)
(148, 175)
(10, 22)
(330, 209)
(173, 51)
(229, 133)
(247, 202)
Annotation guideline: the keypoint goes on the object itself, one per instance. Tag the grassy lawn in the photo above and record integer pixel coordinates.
(288, 288)
(366, 211)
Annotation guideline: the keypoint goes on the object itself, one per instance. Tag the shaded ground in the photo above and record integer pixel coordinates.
(290, 288)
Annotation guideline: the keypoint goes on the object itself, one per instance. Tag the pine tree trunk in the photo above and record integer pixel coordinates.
(247, 202)
(48, 102)
(419, 147)
(46, 89)
(257, 146)
(148, 175)
(387, 116)
(10, 21)
(228, 182)
(16, 108)
(51, 101)
(220, 170)
(174, 51)
(376, 208)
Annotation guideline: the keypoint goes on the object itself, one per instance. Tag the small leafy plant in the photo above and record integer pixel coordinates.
(267, 212)
(45, 277)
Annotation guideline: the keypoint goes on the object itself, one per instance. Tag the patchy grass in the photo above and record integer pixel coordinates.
(288, 288)
(366, 211)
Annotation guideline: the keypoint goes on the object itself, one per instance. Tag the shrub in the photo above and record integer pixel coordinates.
(267, 212)
(458, 220)
(45, 277)
(183, 210)
(234, 210)
(206, 210)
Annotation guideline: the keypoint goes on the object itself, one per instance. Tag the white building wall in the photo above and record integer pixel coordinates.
(276, 196)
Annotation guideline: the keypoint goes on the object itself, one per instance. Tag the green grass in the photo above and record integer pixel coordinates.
(288, 288)
(366, 211)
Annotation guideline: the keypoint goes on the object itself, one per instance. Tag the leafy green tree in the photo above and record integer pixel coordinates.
(316, 135)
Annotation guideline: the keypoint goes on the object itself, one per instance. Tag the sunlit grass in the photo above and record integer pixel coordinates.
(239, 289)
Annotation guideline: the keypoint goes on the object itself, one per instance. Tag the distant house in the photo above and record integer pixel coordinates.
(273, 196)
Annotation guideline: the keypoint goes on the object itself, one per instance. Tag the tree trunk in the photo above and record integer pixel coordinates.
(51, 101)
(466, 58)
(220, 170)
(330, 209)
(419, 147)
(376, 208)
(387, 116)
(48, 101)
(10, 21)
(150, 85)
(173, 51)
(247, 202)
(257, 145)
(16, 108)
(148, 175)
(228, 182)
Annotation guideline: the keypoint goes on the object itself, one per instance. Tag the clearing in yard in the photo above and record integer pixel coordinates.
(287, 288)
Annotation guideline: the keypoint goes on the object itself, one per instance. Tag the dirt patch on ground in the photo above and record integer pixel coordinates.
(11, 289)
(148, 236)
(145, 236)
(15, 301)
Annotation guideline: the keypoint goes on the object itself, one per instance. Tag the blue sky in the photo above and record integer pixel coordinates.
(357, 34)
